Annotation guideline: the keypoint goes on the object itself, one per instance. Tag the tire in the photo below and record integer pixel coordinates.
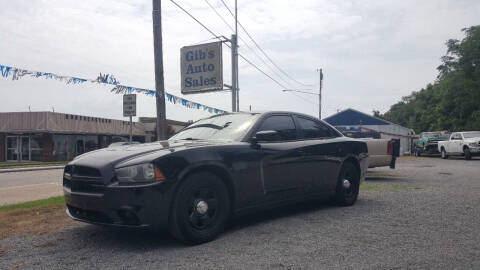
(190, 220)
(444, 154)
(347, 196)
(466, 153)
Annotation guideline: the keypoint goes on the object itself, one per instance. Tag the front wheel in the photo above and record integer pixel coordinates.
(467, 154)
(444, 154)
(200, 209)
(348, 185)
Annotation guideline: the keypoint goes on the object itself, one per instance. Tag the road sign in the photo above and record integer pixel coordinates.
(130, 105)
(201, 68)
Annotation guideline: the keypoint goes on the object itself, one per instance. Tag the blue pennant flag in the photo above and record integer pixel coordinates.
(5, 71)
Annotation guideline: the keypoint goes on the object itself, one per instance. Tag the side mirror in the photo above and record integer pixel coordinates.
(265, 136)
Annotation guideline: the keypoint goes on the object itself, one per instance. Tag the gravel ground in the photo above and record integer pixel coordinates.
(423, 215)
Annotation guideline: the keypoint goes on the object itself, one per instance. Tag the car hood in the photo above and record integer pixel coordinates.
(114, 156)
(471, 140)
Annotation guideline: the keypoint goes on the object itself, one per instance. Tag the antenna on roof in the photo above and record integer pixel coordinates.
(29, 108)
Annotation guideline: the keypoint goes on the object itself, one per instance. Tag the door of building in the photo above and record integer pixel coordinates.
(12, 148)
(18, 148)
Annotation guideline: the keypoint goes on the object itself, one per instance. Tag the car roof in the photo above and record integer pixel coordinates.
(270, 112)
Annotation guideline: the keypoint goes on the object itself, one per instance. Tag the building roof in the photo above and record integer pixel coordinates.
(53, 122)
(169, 122)
(351, 117)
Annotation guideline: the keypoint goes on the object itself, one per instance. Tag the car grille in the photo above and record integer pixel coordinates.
(83, 179)
(90, 215)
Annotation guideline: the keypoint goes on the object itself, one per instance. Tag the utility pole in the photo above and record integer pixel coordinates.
(158, 58)
(320, 94)
(237, 87)
(235, 96)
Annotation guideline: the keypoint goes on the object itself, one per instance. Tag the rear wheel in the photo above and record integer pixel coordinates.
(200, 209)
(444, 154)
(466, 153)
(348, 185)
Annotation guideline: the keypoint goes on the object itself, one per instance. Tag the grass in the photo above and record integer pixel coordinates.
(28, 164)
(34, 218)
(53, 201)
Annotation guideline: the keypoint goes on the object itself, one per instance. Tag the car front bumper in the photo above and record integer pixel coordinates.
(124, 206)
(474, 150)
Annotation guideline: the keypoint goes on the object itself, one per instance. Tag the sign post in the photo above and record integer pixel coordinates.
(130, 108)
(201, 68)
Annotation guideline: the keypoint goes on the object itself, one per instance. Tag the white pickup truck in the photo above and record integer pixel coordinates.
(382, 152)
(465, 144)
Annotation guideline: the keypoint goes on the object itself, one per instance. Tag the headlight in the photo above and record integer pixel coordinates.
(473, 144)
(142, 173)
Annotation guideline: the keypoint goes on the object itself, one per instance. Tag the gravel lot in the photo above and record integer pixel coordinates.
(423, 215)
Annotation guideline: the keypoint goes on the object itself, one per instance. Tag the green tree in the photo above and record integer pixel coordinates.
(452, 102)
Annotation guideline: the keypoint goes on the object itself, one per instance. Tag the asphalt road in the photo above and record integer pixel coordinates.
(423, 215)
(30, 185)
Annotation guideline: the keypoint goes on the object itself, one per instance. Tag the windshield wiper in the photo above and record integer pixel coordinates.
(205, 125)
(190, 139)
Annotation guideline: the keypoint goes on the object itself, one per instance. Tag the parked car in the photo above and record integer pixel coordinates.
(382, 152)
(222, 166)
(428, 142)
(465, 144)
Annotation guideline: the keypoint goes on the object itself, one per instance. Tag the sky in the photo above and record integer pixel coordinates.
(372, 52)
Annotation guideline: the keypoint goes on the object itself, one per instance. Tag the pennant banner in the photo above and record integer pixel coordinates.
(16, 74)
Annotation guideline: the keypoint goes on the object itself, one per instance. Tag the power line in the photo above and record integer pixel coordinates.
(264, 53)
(246, 44)
(243, 57)
(191, 16)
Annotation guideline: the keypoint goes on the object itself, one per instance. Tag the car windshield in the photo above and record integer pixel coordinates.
(472, 134)
(228, 127)
(436, 135)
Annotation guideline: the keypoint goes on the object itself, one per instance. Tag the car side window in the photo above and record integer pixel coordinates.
(283, 124)
(456, 136)
(314, 129)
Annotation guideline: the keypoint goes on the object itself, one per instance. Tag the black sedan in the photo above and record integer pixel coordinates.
(222, 166)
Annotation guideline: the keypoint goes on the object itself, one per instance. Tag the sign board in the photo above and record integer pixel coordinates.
(201, 68)
(130, 105)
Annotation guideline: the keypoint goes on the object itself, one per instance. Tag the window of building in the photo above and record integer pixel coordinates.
(36, 147)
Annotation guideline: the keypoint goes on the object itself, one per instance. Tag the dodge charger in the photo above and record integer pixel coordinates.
(217, 168)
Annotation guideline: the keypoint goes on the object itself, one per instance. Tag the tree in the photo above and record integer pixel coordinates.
(452, 102)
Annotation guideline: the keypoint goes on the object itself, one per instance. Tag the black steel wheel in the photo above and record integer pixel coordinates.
(348, 185)
(466, 153)
(444, 154)
(200, 209)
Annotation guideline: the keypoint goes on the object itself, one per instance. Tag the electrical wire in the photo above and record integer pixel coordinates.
(243, 57)
(248, 46)
(258, 46)
(191, 16)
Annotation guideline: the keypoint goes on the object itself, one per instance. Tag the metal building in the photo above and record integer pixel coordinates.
(352, 121)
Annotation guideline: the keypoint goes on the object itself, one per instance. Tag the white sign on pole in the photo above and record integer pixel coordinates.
(130, 105)
(201, 68)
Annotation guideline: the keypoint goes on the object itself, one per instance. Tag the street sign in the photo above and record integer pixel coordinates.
(130, 105)
(201, 68)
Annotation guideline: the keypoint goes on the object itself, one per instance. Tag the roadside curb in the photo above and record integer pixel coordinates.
(26, 169)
